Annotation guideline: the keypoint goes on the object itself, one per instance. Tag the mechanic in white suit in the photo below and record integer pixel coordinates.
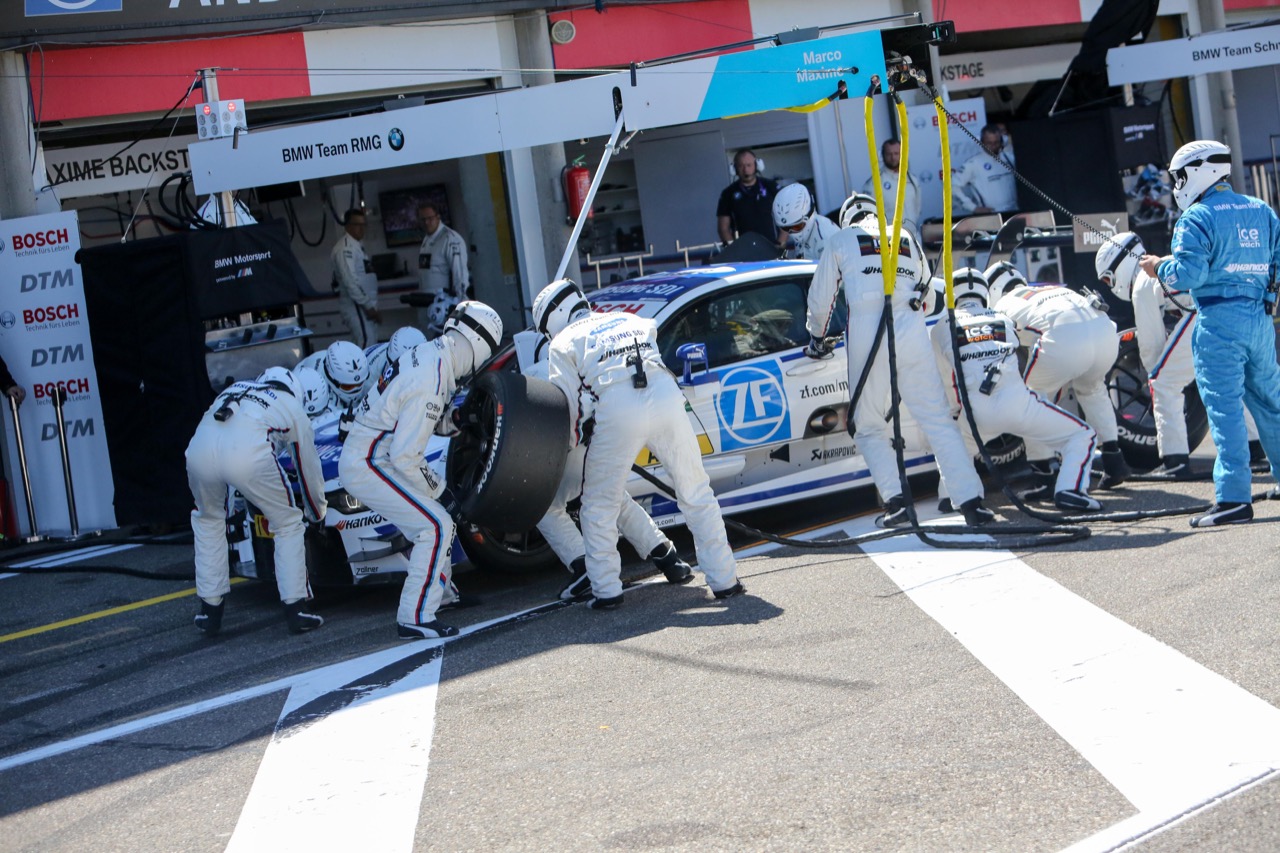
(985, 182)
(1071, 343)
(890, 175)
(237, 446)
(852, 261)
(345, 367)
(402, 340)
(442, 261)
(801, 228)
(622, 399)
(1000, 400)
(562, 300)
(382, 462)
(354, 281)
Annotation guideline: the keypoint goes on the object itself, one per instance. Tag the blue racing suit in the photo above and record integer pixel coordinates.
(1226, 252)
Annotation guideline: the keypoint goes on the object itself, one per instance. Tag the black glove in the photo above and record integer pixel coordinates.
(819, 349)
(451, 505)
(588, 430)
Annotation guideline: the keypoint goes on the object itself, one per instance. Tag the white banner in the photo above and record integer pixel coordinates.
(1225, 50)
(925, 162)
(959, 71)
(102, 169)
(44, 340)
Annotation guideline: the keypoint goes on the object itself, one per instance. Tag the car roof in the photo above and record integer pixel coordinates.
(648, 295)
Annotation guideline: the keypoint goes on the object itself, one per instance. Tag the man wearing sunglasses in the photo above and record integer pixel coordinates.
(803, 230)
(1226, 252)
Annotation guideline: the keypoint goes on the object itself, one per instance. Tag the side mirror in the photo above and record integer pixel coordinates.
(691, 354)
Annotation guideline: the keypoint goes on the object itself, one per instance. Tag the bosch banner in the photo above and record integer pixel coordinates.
(925, 162)
(44, 340)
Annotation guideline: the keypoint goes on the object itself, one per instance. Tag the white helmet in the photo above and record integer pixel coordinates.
(1117, 263)
(347, 369)
(1197, 166)
(855, 207)
(316, 393)
(479, 325)
(402, 340)
(281, 377)
(968, 282)
(556, 304)
(1002, 277)
(934, 298)
(793, 210)
(439, 311)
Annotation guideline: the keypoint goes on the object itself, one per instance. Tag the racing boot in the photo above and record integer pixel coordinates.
(433, 630)
(945, 507)
(209, 619)
(1258, 463)
(1227, 512)
(668, 560)
(605, 603)
(579, 587)
(1174, 467)
(730, 592)
(975, 513)
(1115, 470)
(1044, 473)
(895, 513)
(299, 620)
(1070, 500)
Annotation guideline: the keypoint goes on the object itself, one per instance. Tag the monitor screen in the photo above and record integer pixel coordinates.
(400, 212)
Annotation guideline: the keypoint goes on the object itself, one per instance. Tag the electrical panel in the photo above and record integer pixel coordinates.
(216, 119)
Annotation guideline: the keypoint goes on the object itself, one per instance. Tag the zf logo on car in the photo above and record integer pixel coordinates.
(752, 407)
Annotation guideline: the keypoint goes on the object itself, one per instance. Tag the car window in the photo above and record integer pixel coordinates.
(741, 323)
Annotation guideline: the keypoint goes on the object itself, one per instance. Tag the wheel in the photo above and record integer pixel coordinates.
(505, 465)
(1004, 450)
(327, 563)
(513, 553)
(1131, 397)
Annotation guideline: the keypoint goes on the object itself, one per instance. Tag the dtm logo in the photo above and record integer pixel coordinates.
(395, 139)
(71, 7)
(752, 407)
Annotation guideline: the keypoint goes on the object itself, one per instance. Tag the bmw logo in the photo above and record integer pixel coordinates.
(395, 139)
(7, 319)
(920, 123)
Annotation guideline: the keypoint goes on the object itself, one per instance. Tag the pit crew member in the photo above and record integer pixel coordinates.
(804, 229)
(354, 281)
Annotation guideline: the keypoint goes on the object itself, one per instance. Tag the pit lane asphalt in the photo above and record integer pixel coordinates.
(824, 710)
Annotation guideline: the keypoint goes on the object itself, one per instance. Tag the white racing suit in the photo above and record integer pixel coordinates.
(911, 199)
(442, 268)
(242, 452)
(558, 527)
(807, 245)
(382, 465)
(982, 182)
(1071, 343)
(852, 259)
(986, 340)
(357, 289)
(588, 362)
(1166, 356)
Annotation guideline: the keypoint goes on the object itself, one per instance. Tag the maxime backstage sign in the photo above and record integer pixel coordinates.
(105, 169)
(1226, 50)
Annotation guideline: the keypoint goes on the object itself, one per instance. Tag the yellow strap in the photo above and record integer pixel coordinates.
(874, 155)
(904, 147)
(944, 136)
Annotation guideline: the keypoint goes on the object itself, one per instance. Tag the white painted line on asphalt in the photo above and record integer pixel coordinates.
(347, 765)
(1169, 734)
(79, 554)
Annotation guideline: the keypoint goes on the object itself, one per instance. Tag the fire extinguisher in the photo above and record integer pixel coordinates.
(577, 182)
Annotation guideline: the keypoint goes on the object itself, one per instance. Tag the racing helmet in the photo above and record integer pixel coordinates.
(1002, 277)
(1197, 166)
(439, 311)
(316, 393)
(934, 299)
(793, 210)
(1117, 263)
(479, 325)
(402, 340)
(347, 369)
(970, 283)
(283, 378)
(855, 207)
(556, 304)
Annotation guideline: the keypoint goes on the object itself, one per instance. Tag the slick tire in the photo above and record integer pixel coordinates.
(1131, 397)
(505, 464)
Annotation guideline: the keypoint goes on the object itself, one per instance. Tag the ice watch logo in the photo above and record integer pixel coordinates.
(71, 7)
(752, 407)
(395, 139)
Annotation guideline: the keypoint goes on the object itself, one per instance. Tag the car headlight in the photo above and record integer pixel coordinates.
(345, 502)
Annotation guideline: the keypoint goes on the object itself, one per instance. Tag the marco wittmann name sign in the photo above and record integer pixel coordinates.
(1220, 51)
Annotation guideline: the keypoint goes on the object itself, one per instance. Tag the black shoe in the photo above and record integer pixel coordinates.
(605, 603)
(462, 602)
(433, 630)
(1073, 501)
(736, 589)
(1258, 462)
(895, 513)
(209, 619)
(1226, 512)
(1115, 470)
(579, 588)
(668, 560)
(945, 507)
(299, 620)
(1273, 493)
(1044, 473)
(1176, 467)
(975, 514)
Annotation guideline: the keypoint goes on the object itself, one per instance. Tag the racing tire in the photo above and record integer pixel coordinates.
(1131, 398)
(506, 461)
(510, 553)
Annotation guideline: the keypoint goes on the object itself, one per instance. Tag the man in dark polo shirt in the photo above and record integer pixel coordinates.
(747, 203)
